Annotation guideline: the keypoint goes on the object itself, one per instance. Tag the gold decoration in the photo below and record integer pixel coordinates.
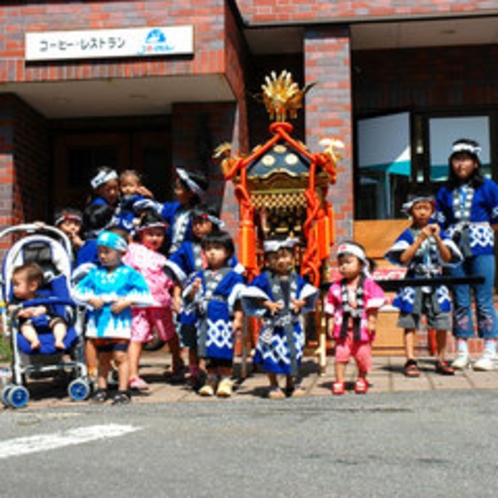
(282, 96)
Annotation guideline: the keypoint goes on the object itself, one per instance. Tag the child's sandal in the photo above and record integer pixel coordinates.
(100, 396)
(338, 388)
(121, 398)
(411, 369)
(443, 368)
(361, 386)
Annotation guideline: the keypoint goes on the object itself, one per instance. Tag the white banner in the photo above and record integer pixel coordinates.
(105, 43)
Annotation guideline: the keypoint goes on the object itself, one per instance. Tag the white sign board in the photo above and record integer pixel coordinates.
(105, 43)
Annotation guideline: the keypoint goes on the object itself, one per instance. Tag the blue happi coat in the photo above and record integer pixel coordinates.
(467, 213)
(281, 340)
(426, 263)
(213, 306)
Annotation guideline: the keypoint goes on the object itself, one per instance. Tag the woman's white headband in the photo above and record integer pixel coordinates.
(103, 177)
(463, 147)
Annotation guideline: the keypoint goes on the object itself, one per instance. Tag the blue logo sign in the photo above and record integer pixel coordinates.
(156, 43)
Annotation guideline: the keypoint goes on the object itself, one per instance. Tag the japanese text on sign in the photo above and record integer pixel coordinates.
(141, 42)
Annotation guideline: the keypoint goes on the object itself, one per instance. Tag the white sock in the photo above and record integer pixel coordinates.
(463, 346)
(490, 346)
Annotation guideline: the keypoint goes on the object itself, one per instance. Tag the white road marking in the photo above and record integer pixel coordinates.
(45, 442)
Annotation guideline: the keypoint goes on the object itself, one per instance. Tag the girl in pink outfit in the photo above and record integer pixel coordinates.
(146, 258)
(352, 305)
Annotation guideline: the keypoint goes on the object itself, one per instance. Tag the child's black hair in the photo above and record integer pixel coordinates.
(150, 217)
(95, 218)
(221, 238)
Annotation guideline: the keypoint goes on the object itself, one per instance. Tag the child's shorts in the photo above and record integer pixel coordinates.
(144, 320)
(440, 320)
(111, 345)
(360, 351)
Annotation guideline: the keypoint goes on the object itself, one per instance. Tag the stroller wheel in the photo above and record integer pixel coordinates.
(18, 396)
(78, 390)
(5, 395)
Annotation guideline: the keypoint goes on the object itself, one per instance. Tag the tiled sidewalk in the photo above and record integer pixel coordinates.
(386, 377)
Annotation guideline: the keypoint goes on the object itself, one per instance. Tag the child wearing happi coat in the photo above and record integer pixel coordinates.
(213, 296)
(424, 249)
(108, 291)
(131, 191)
(190, 188)
(280, 296)
(145, 257)
(188, 260)
(352, 305)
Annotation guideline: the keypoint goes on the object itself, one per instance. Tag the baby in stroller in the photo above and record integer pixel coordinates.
(41, 318)
(27, 284)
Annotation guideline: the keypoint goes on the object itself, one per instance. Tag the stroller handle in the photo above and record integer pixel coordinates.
(35, 228)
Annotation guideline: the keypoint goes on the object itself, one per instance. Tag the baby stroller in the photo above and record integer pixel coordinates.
(51, 250)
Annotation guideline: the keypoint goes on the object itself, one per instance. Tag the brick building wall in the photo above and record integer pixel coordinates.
(328, 112)
(271, 11)
(197, 130)
(18, 18)
(437, 78)
(24, 164)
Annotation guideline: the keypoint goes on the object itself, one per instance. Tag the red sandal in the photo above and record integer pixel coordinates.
(443, 368)
(361, 386)
(338, 388)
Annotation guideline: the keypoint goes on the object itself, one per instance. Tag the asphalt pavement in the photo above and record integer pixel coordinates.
(417, 443)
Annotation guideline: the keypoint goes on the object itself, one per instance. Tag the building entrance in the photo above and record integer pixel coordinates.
(77, 155)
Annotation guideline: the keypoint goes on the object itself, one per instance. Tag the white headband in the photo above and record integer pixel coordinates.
(406, 207)
(190, 183)
(271, 245)
(103, 177)
(354, 250)
(463, 147)
(67, 217)
(275, 245)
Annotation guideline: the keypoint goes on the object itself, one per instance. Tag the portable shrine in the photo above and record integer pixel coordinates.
(281, 186)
